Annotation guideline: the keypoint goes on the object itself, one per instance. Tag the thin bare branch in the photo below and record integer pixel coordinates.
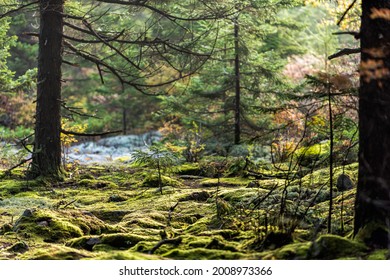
(344, 52)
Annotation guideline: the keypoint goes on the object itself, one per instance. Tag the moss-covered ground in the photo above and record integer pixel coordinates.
(118, 212)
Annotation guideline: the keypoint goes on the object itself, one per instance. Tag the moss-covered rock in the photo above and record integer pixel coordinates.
(330, 247)
(53, 226)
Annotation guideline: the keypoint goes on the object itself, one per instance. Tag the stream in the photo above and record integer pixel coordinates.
(116, 148)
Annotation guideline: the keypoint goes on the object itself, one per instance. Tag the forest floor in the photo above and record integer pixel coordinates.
(118, 212)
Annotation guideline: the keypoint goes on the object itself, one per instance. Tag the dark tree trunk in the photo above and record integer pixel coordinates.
(372, 207)
(47, 148)
(237, 103)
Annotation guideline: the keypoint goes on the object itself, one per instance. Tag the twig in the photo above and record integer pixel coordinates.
(346, 12)
(66, 205)
(344, 52)
(171, 209)
(7, 172)
(174, 241)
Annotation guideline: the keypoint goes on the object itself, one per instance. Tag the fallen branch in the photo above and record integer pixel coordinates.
(66, 205)
(174, 241)
(344, 52)
(171, 209)
(8, 171)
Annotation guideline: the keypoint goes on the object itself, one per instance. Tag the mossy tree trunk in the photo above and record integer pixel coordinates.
(372, 205)
(47, 147)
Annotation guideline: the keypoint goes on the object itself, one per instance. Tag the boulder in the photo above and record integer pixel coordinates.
(344, 183)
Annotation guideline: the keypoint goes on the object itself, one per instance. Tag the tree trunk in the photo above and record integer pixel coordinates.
(47, 147)
(372, 206)
(237, 103)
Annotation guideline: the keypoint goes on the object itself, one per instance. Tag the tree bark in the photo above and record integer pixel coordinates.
(237, 103)
(47, 146)
(372, 206)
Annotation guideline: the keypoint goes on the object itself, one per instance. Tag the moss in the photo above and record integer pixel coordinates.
(5, 228)
(54, 252)
(334, 247)
(204, 254)
(226, 182)
(117, 198)
(382, 254)
(189, 169)
(375, 235)
(151, 181)
(84, 242)
(197, 196)
(293, 251)
(97, 184)
(54, 226)
(125, 255)
(146, 219)
(121, 240)
(113, 216)
(309, 156)
(144, 246)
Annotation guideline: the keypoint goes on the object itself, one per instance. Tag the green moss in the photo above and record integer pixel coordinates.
(112, 216)
(54, 226)
(309, 156)
(121, 240)
(382, 254)
(293, 251)
(335, 247)
(97, 184)
(125, 255)
(374, 235)
(145, 219)
(151, 181)
(227, 182)
(54, 252)
(84, 242)
(192, 169)
(204, 254)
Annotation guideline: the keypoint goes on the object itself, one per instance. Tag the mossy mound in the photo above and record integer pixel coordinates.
(329, 247)
(192, 169)
(118, 241)
(54, 252)
(293, 251)
(152, 181)
(150, 219)
(97, 184)
(204, 254)
(53, 226)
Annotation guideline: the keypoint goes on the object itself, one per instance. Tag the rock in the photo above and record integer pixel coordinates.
(43, 223)
(344, 183)
(253, 184)
(27, 213)
(197, 196)
(117, 198)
